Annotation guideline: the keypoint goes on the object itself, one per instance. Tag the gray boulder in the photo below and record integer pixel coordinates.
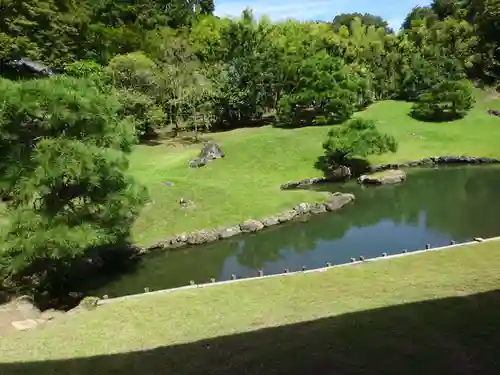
(338, 200)
(318, 208)
(270, 221)
(229, 231)
(341, 173)
(202, 236)
(303, 208)
(287, 216)
(391, 176)
(198, 163)
(251, 226)
(211, 151)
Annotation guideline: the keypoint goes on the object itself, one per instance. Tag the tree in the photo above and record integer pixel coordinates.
(359, 137)
(448, 100)
(138, 80)
(325, 88)
(367, 19)
(427, 70)
(63, 161)
(420, 14)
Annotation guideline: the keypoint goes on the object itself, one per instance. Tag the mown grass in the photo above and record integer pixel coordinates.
(431, 313)
(246, 184)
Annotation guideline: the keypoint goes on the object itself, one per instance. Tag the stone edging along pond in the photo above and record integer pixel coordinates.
(427, 162)
(334, 202)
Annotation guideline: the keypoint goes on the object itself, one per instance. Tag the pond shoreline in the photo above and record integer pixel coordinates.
(432, 161)
(302, 210)
(334, 203)
(476, 241)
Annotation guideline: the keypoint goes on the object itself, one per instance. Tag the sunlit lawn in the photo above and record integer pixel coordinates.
(395, 316)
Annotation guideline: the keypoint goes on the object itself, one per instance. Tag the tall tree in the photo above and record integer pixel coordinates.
(63, 162)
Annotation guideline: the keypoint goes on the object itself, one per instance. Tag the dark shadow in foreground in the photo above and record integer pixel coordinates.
(459, 335)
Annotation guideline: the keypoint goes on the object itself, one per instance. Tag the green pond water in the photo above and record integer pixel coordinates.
(434, 206)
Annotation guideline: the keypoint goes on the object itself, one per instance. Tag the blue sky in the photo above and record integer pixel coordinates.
(394, 11)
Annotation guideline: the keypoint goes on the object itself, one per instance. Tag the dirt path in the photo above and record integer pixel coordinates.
(22, 315)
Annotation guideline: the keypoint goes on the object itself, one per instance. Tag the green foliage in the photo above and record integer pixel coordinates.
(345, 19)
(426, 72)
(359, 137)
(63, 160)
(134, 71)
(325, 88)
(420, 15)
(449, 100)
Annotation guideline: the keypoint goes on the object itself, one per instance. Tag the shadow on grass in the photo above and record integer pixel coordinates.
(64, 282)
(436, 118)
(459, 335)
(358, 166)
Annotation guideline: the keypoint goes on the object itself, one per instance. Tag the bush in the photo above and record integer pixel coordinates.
(445, 101)
(142, 111)
(134, 71)
(63, 161)
(359, 137)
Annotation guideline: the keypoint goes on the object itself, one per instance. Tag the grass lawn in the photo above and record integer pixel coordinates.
(246, 184)
(435, 313)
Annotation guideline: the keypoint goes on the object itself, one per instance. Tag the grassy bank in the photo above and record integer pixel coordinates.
(246, 184)
(435, 312)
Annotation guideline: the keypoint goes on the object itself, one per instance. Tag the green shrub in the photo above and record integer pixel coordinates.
(142, 111)
(446, 101)
(359, 137)
(134, 71)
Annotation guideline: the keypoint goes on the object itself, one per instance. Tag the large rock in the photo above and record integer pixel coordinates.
(338, 200)
(391, 176)
(198, 163)
(341, 173)
(211, 151)
(251, 226)
(303, 208)
(229, 231)
(287, 216)
(202, 236)
(270, 221)
(318, 208)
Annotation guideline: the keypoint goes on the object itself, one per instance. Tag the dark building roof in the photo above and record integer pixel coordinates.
(32, 66)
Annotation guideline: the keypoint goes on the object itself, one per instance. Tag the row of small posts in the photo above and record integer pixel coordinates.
(304, 268)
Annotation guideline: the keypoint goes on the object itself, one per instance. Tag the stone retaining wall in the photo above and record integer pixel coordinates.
(427, 162)
(334, 202)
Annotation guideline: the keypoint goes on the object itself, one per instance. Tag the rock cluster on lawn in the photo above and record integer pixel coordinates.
(210, 151)
(334, 202)
(427, 162)
(390, 176)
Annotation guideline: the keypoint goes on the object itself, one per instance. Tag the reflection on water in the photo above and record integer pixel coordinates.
(432, 207)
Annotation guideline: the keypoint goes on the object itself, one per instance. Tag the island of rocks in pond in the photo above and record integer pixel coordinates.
(426, 162)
